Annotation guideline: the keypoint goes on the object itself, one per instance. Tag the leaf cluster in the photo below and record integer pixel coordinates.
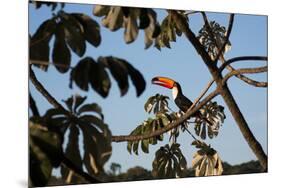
(169, 162)
(214, 113)
(131, 19)
(53, 5)
(90, 72)
(71, 32)
(206, 160)
(85, 119)
(212, 37)
(45, 150)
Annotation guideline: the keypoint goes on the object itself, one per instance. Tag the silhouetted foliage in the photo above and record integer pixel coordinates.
(77, 131)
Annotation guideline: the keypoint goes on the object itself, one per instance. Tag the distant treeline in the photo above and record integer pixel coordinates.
(139, 173)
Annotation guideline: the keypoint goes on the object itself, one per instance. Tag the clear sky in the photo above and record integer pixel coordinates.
(182, 63)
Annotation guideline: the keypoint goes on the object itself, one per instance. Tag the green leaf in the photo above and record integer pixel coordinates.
(158, 103)
(91, 29)
(80, 73)
(136, 77)
(39, 43)
(114, 18)
(130, 25)
(97, 148)
(135, 147)
(145, 145)
(99, 79)
(169, 162)
(101, 10)
(69, 103)
(78, 101)
(61, 54)
(73, 33)
(153, 29)
(118, 71)
(93, 107)
(72, 153)
(40, 167)
(49, 142)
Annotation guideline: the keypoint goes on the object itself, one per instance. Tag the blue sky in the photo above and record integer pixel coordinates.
(182, 63)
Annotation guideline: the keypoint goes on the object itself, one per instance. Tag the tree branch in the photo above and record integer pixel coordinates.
(78, 172)
(55, 64)
(220, 52)
(170, 126)
(44, 92)
(226, 94)
(241, 58)
(228, 32)
(244, 71)
(33, 106)
(202, 94)
(182, 23)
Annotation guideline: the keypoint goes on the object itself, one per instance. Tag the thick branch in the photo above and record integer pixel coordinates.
(244, 71)
(243, 126)
(182, 23)
(229, 100)
(172, 125)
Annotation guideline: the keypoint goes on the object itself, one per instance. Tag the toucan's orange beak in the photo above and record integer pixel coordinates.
(163, 81)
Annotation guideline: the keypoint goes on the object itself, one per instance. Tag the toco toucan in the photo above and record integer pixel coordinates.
(181, 101)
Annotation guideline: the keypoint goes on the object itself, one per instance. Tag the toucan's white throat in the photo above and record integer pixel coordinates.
(175, 92)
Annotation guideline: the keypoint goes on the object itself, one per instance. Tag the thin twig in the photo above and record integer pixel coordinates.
(244, 71)
(202, 94)
(242, 58)
(55, 64)
(229, 29)
(190, 134)
(33, 106)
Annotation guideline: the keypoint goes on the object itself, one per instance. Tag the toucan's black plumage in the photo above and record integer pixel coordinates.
(181, 101)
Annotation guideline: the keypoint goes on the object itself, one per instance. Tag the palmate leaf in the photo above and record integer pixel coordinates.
(158, 103)
(90, 27)
(214, 113)
(61, 53)
(96, 137)
(45, 153)
(169, 162)
(72, 153)
(206, 161)
(212, 45)
(39, 43)
(73, 33)
(97, 146)
(147, 127)
(48, 4)
(88, 71)
(131, 19)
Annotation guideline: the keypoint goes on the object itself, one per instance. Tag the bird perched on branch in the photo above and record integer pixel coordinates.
(181, 101)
